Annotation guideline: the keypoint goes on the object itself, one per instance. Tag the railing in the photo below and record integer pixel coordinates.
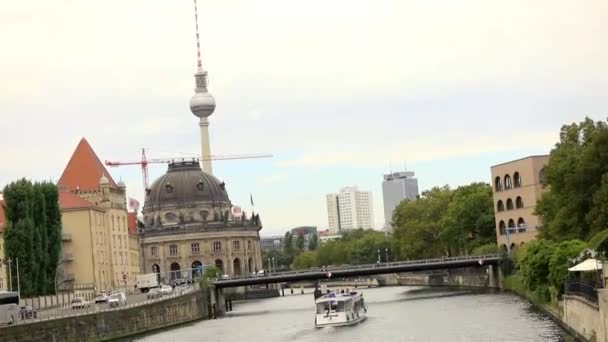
(92, 308)
(580, 288)
(382, 265)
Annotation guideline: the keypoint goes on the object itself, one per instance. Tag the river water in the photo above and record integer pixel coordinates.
(394, 314)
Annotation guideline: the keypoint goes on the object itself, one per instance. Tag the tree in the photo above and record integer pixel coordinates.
(305, 260)
(300, 242)
(288, 244)
(313, 242)
(576, 177)
(53, 229)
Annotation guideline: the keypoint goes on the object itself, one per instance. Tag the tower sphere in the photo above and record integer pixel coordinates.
(202, 104)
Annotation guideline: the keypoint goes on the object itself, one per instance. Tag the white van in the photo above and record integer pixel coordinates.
(9, 307)
(145, 282)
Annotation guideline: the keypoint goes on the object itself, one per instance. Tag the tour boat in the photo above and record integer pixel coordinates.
(340, 309)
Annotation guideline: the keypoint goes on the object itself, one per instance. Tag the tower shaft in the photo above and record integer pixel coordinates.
(205, 146)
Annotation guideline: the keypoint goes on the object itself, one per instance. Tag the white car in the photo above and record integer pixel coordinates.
(79, 303)
(165, 290)
(117, 299)
(101, 298)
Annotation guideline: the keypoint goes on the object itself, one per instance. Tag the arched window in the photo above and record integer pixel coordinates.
(500, 206)
(508, 183)
(237, 266)
(511, 224)
(197, 268)
(497, 184)
(509, 204)
(175, 271)
(516, 180)
(541, 176)
(512, 246)
(521, 225)
(220, 265)
(502, 228)
(519, 203)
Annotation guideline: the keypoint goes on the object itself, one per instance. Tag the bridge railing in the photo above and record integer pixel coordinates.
(445, 260)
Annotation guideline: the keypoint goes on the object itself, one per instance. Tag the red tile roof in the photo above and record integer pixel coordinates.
(84, 170)
(132, 223)
(70, 201)
(2, 216)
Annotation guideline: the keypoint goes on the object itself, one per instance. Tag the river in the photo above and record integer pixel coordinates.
(405, 314)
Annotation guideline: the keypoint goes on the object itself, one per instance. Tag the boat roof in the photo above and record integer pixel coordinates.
(335, 297)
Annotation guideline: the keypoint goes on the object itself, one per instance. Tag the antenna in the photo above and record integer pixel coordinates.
(198, 42)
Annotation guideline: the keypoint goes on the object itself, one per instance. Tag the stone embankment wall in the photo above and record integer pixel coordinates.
(113, 324)
(471, 277)
(582, 317)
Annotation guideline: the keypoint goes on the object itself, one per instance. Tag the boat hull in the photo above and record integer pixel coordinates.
(341, 323)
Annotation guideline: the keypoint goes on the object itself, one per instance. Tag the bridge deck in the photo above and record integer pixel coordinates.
(361, 270)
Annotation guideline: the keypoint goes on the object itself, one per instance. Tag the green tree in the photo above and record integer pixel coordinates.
(288, 244)
(313, 242)
(575, 205)
(305, 260)
(559, 262)
(53, 235)
(300, 242)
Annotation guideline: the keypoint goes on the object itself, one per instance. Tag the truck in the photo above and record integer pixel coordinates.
(145, 282)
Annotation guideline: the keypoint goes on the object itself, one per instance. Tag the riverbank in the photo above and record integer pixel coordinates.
(582, 319)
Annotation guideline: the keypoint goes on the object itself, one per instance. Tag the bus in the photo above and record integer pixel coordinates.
(9, 307)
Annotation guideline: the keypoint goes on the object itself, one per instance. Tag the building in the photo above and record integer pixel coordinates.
(96, 243)
(517, 186)
(350, 209)
(272, 243)
(188, 223)
(326, 235)
(307, 232)
(3, 272)
(396, 187)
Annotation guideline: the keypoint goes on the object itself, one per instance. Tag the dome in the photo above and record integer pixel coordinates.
(104, 180)
(202, 104)
(185, 185)
(121, 185)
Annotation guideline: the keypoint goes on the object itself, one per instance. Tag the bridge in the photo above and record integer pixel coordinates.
(360, 270)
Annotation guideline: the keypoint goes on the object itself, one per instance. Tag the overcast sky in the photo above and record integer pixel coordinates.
(337, 90)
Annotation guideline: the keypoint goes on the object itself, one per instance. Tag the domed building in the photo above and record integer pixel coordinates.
(189, 222)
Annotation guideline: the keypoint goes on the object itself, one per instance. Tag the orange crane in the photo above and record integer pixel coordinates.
(143, 163)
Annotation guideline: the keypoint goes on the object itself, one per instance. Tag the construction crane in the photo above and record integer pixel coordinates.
(143, 163)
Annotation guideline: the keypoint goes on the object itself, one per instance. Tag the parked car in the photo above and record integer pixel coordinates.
(101, 298)
(225, 277)
(178, 282)
(165, 290)
(79, 303)
(27, 312)
(153, 293)
(117, 299)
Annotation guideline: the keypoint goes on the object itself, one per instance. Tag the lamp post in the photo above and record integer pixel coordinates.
(508, 230)
(386, 253)
(378, 256)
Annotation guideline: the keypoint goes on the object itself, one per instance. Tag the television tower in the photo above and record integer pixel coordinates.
(202, 104)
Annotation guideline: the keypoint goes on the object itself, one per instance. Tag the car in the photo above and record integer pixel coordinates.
(165, 290)
(27, 312)
(101, 298)
(153, 293)
(117, 299)
(79, 303)
(225, 277)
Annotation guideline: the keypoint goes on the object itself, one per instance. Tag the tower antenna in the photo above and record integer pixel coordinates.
(199, 64)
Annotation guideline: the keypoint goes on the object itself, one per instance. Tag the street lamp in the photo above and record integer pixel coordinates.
(386, 253)
(508, 230)
(378, 256)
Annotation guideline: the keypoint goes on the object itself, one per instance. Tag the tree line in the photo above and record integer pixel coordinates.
(33, 235)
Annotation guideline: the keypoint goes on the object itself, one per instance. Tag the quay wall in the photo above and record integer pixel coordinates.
(112, 324)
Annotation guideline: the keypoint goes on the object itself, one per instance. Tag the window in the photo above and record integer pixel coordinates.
(217, 246)
(236, 245)
(517, 179)
(502, 227)
(196, 248)
(500, 206)
(154, 251)
(172, 249)
(521, 225)
(519, 203)
(508, 184)
(511, 223)
(509, 204)
(498, 184)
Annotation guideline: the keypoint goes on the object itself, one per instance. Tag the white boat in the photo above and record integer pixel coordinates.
(340, 309)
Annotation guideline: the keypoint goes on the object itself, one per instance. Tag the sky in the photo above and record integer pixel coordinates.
(339, 92)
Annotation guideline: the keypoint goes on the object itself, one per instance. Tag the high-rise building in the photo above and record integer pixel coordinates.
(397, 187)
(271, 243)
(350, 209)
(517, 186)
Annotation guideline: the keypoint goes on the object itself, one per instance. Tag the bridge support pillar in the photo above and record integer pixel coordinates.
(216, 301)
(495, 276)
